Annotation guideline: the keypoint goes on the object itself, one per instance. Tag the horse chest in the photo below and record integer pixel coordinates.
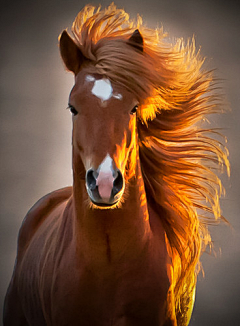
(130, 293)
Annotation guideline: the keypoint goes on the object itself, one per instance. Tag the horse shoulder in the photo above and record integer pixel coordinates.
(37, 215)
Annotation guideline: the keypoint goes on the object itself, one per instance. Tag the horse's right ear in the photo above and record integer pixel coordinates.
(136, 40)
(70, 53)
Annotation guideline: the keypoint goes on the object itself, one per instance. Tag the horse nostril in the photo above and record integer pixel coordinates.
(90, 179)
(117, 184)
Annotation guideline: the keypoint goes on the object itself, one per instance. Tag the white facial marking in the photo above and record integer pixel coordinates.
(105, 179)
(118, 96)
(106, 164)
(89, 78)
(102, 89)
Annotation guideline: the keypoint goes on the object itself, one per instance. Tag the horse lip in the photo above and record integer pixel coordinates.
(103, 204)
(98, 201)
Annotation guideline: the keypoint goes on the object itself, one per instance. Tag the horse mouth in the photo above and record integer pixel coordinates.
(104, 205)
(100, 202)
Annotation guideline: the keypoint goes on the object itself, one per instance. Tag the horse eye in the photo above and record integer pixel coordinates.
(134, 110)
(72, 109)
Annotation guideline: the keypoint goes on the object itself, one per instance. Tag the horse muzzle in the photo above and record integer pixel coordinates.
(105, 188)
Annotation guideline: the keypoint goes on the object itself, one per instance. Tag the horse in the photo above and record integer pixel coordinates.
(122, 246)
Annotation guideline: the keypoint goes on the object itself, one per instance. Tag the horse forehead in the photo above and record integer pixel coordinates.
(102, 88)
(99, 91)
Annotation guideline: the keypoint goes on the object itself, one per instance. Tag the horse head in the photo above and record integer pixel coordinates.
(104, 126)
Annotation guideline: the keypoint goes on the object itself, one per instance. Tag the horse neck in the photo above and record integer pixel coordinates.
(107, 234)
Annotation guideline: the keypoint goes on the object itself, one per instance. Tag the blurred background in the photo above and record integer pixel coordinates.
(36, 127)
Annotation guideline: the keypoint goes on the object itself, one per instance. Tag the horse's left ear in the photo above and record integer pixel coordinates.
(136, 40)
(70, 53)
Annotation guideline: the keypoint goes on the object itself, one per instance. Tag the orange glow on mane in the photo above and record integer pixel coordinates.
(178, 157)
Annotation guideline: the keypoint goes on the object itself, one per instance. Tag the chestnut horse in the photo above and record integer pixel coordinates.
(121, 247)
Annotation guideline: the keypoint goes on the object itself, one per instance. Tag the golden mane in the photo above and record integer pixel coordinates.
(178, 157)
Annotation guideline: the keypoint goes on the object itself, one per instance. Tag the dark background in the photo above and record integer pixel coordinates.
(36, 129)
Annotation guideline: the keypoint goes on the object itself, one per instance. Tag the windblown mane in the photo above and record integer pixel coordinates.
(178, 156)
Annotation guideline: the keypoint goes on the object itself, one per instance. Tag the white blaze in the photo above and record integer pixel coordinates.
(105, 178)
(106, 165)
(102, 89)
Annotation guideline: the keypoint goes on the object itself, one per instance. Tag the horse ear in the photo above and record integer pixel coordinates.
(136, 40)
(70, 53)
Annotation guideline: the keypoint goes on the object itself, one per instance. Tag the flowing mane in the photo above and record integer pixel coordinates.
(177, 156)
